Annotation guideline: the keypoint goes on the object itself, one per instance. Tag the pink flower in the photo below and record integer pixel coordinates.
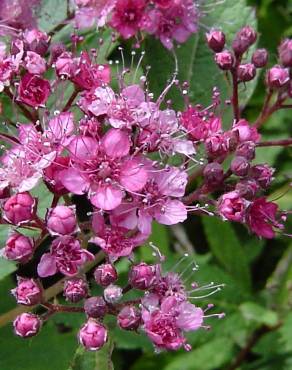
(20, 208)
(60, 128)
(127, 17)
(18, 248)
(261, 218)
(52, 175)
(92, 335)
(65, 256)
(87, 75)
(65, 65)
(28, 292)
(36, 40)
(33, 90)
(91, 12)
(246, 132)
(165, 324)
(34, 63)
(232, 206)
(104, 169)
(27, 325)
(198, 126)
(61, 220)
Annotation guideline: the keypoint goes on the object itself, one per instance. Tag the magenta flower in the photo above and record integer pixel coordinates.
(104, 169)
(34, 63)
(232, 206)
(261, 218)
(33, 90)
(65, 256)
(127, 17)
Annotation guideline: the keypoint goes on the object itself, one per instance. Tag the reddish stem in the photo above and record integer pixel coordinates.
(284, 142)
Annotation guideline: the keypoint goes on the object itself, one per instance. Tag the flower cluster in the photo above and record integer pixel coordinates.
(167, 20)
(128, 157)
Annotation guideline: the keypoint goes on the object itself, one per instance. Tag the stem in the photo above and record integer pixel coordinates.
(48, 294)
(235, 104)
(257, 335)
(26, 112)
(284, 142)
(71, 99)
(61, 308)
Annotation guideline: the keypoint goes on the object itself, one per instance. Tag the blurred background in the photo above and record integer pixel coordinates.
(256, 333)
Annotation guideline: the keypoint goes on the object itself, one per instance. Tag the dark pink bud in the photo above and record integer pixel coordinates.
(213, 174)
(164, 3)
(129, 318)
(224, 60)
(33, 90)
(260, 58)
(57, 49)
(244, 39)
(113, 293)
(215, 40)
(231, 206)
(247, 188)
(28, 292)
(263, 174)
(19, 208)
(285, 53)
(75, 289)
(246, 72)
(61, 220)
(65, 65)
(105, 274)
(217, 145)
(92, 335)
(143, 276)
(53, 175)
(246, 150)
(19, 248)
(95, 307)
(36, 40)
(277, 77)
(34, 63)
(27, 325)
(239, 166)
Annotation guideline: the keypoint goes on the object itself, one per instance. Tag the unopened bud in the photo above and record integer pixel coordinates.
(113, 293)
(27, 325)
(143, 276)
(243, 40)
(75, 289)
(215, 40)
(95, 307)
(247, 188)
(224, 60)
(277, 77)
(92, 335)
(19, 248)
(260, 58)
(129, 318)
(246, 72)
(61, 220)
(263, 174)
(246, 150)
(213, 174)
(239, 166)
(28, 292)
(285, 53)
(105, 274)
(20, 208)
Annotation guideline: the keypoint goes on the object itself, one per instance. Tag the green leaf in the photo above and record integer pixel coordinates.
(95, 360)
(286, 333)
(51, 13)
(44, 199)
(209, 356)
(160, 238)
(50, 349)
(255, 313)
(195, 60)
(227, 249)
(6, 267)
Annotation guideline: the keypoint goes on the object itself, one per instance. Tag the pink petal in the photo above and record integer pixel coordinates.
(116, 143)
(190, 317)
(74, 181)
(47, 265)
(106, 197)
(133, 176)
(82, 148)
(172, 213)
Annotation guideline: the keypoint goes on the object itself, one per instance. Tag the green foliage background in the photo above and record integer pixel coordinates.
(257, 299)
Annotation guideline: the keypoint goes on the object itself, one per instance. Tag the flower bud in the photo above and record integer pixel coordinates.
(105, 274)
(56, 50)
(224, 60)
(277, 77)
(263, 174)
(143, 276)
(95, 307)
(19, 208)
(285, 53)
(247, 188)
(239, 166)
(246, 72)
(129, 318)
(34, 63)
(243, 40)
(246, 150)
(217, 145)
(61, 220)
(75, 289)
(213, 174)
(28, 292)
(113, 293)
(231, 206)
(260, 58)
(36, 40)
(27, 325)
(215, 40)
(92, 335)
(19, 248)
